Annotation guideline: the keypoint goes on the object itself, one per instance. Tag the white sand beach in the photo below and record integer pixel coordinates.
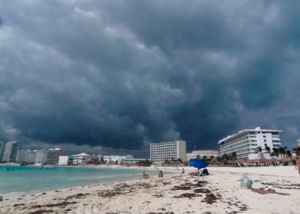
(220, 192)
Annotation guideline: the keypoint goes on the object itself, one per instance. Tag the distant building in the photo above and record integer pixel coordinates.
(298, 143)
(52, 156)
(172, 150)
(82, 158)
(203, 154)
(40, 157)
(245, 143)
(1, 149)
(26, 156)
(10, 151)
(114, 159)
(63, 160)
(95, 159)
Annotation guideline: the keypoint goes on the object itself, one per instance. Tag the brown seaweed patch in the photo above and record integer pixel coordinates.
(41, 211)
(181, 187)
(17, 205)
(187, 195)
(144, 185)
(61, 205)
(158, 195)
(210, 198)
(166, 183)
(201, 190)
(282, 185)
(77, 196)
(109, 193)
(161, 213)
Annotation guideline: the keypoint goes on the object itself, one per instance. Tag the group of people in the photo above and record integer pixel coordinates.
(146, 175)
(202, 172)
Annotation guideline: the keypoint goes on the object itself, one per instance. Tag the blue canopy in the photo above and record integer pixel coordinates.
(198, 163)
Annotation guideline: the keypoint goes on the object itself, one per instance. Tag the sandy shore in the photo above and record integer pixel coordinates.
(275, 190)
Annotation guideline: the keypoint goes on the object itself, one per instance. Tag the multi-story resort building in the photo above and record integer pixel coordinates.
(1, 149)
(63, 160)
(52, 156)
(10, 151)
(173, 150)
(40, 157)
(245, 143)
(82, 158)
(26, 156)
(202, 154)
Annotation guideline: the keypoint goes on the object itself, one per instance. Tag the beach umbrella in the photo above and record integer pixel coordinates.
(198, 163)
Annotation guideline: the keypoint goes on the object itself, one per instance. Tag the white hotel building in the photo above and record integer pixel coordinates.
(245, 142)
(173, 150)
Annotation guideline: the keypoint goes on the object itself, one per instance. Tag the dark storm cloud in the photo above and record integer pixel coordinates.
(120, 74)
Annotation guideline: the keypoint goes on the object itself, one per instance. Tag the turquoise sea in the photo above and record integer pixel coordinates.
(16, 179)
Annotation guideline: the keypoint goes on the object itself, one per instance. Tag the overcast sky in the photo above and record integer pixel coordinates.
(99, 75)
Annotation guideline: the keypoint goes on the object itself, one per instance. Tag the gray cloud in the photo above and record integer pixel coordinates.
(119, 74)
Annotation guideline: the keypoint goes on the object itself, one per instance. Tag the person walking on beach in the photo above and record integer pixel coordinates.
(298, 164)
(160, 174)
(145, 175)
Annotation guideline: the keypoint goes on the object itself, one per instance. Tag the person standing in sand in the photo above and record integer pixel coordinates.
(298, 164)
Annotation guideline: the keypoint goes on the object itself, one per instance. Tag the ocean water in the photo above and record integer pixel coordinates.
(19, 179)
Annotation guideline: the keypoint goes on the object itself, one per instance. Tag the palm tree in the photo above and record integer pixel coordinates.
(225, 156)
(288, 153)
(275, 152)
(259, 149)
(233, 155)
(282, 150)
(297, 150)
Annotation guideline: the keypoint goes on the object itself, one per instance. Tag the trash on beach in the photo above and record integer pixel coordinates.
(246, 182)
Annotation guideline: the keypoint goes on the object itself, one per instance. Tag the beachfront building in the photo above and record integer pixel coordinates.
(10, 151)
(172, 150)
(202, 154)
(245, 144)
(82, 158)
(63, 160)
(52, 156)
(298, 143)
(115, 159)
(40, 157)
(1, 149)
(26, 156)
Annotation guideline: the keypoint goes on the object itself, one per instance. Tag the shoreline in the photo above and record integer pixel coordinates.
(152, 170)
(220, 192)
